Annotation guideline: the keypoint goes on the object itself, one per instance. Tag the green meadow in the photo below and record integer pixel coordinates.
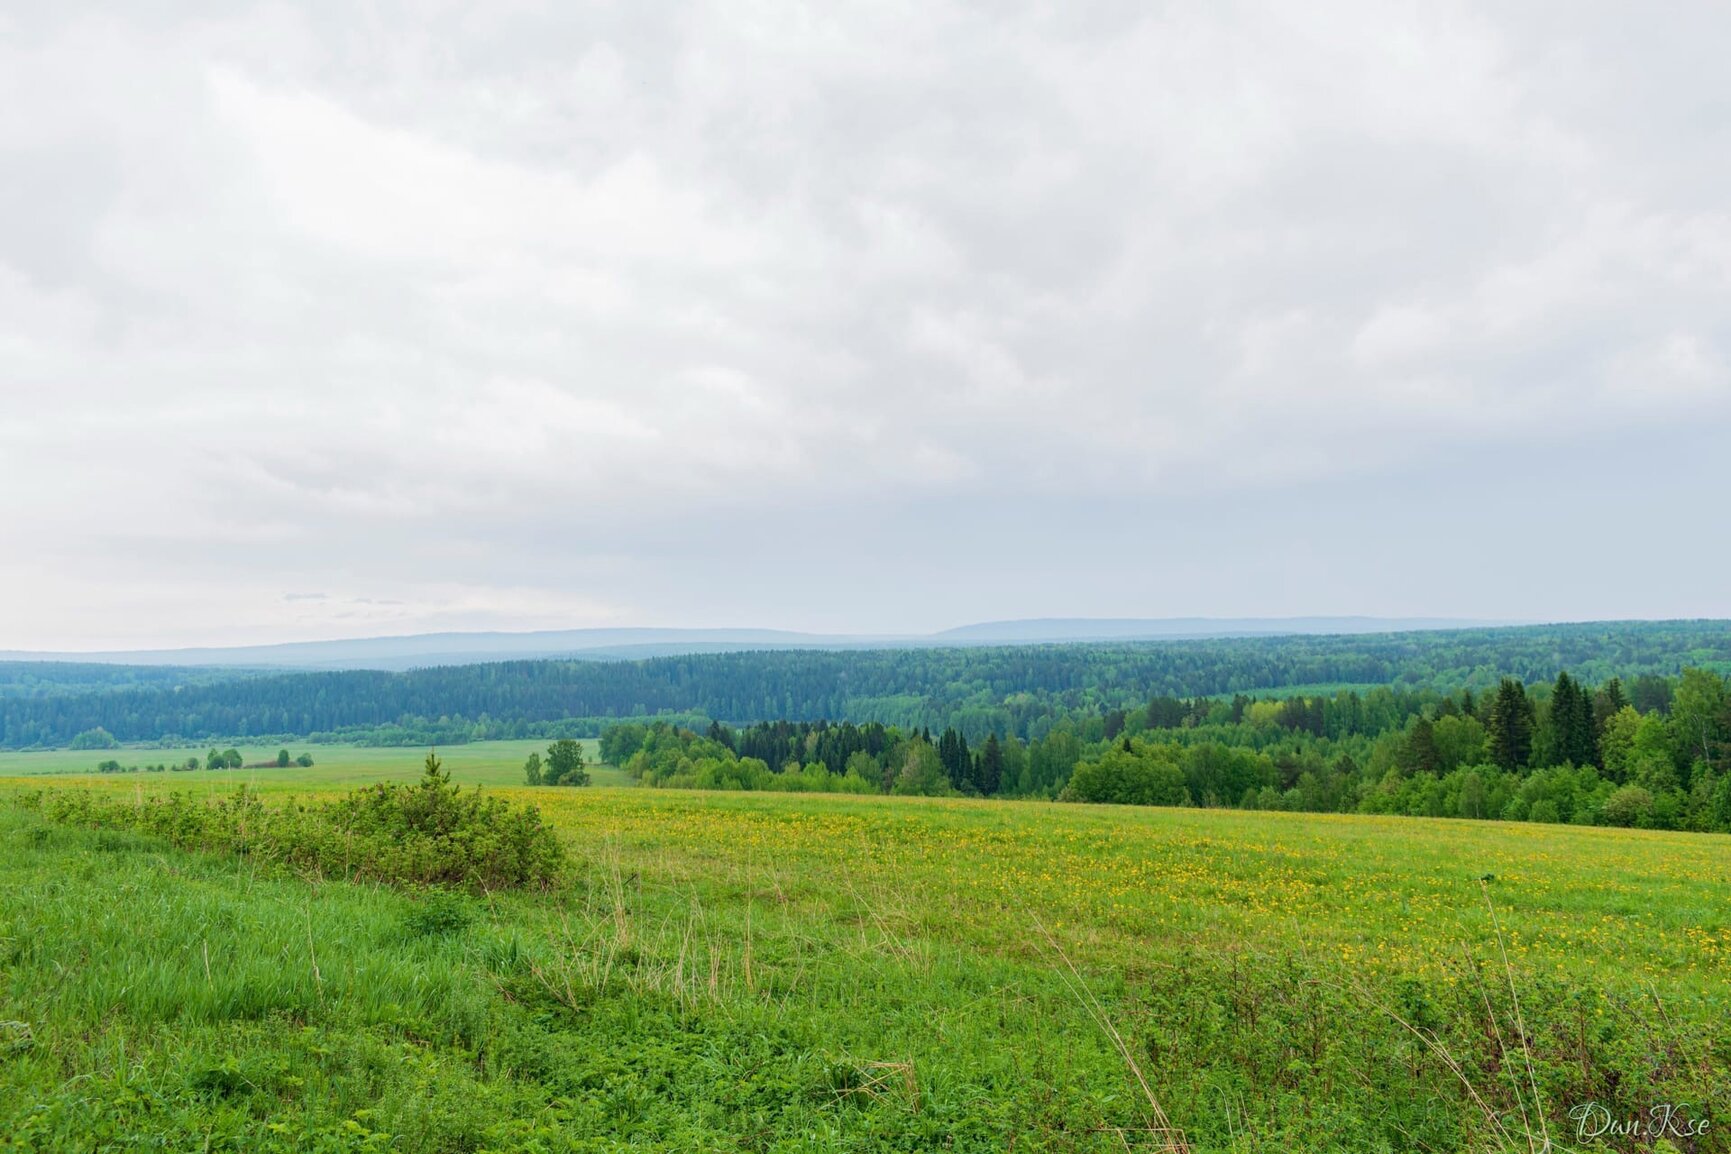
(802, 972)
(488, 763)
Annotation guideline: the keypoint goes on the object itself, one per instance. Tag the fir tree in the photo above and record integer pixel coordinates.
(1571, 723)
(991, 766)
(1606, 703)
(1421, 751)
(1511, 725)
(957, 764)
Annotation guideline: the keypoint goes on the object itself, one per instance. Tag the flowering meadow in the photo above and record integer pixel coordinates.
(776, 972)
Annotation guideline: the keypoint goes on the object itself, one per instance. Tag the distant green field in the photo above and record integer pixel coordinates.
(491, 763)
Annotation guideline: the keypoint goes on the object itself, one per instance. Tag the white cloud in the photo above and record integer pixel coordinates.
(402, 295)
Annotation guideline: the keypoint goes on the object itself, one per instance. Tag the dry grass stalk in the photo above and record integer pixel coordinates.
(1160, 1126)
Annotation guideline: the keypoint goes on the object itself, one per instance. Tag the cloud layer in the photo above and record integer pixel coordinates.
(867, 316)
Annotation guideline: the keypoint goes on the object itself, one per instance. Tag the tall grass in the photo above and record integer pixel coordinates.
(800, 974)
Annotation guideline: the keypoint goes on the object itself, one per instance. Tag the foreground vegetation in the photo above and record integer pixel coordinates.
(428, 833)
(824, 973)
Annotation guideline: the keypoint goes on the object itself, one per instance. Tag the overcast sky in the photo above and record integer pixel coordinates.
(324, 319)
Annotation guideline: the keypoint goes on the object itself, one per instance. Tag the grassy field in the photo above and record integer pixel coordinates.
(489, 763)
(792, 973)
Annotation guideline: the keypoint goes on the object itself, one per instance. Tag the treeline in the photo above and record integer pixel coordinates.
(58, 678)
(411, 731)
(1655, 754)
(1019, 690)
(214, 760)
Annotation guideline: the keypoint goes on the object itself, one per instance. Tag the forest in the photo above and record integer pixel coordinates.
(1008, 690)
(1655, 754)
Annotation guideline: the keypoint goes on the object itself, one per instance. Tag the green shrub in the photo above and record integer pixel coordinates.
(432, 833)
(1129, 775)
(98, 738)
(1630, 805)
(439, 914)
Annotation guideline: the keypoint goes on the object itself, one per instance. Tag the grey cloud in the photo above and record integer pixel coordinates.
(496, 313)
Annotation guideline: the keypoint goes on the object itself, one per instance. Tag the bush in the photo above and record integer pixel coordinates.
(439, 914)
(1127, 775)
(1628, 806)
(98, 738)
(431, 833)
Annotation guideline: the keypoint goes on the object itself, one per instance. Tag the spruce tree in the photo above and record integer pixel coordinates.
(1577, 739)
(1511, 725)
(1421, 751)
(991, 766)
(1606, 703)
(957, 762)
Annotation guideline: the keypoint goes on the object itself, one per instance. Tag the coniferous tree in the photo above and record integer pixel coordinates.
(1511, 725)
(1421, 752)
(1606, 703)
(957, 764)
(1650, 693)
(434, 775)
(991, 766)
(1166, 713)
(1571, 736)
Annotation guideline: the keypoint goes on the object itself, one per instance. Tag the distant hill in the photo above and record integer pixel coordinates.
(429, 649)
(423, 650)
(1150, 628)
